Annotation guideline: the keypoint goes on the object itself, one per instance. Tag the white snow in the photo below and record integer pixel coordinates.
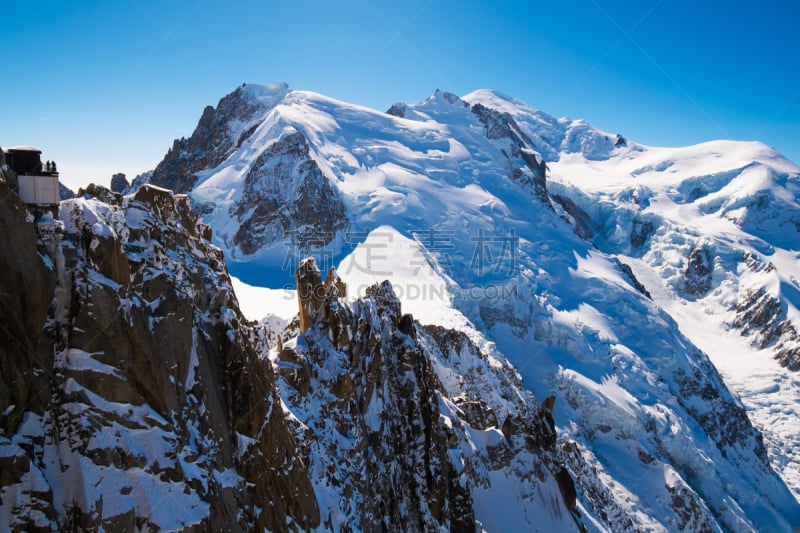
(422, 288)
(258, 302)
(705, 195)
(75, 359)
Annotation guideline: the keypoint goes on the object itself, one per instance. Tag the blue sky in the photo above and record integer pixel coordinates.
(105, 86)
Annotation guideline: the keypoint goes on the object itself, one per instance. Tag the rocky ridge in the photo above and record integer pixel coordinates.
(159, 390)
(397, 433)
(133, 397)
(219, 131)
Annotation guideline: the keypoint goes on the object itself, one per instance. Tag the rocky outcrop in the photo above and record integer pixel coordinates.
(286, 196)
(119, 183)
(631, 277)
(392, 470)
(398, 110)
(312, 292)
(309, 292)
(703, 394)
(697, 276)
(130, 379)
(501, 127)
(581, 221)
(24, 305)
(759, 312)
(761, 315)
(641, 231)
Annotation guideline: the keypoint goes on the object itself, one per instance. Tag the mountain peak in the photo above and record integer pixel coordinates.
(269, 94)
(499, 101)
(447, 96)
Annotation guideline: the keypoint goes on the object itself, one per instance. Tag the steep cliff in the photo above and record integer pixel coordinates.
(132, 395)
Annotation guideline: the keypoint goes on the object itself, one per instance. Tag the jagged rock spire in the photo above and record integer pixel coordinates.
(311, 291)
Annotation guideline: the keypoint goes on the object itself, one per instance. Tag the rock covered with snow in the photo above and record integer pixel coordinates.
(699, 267)
(413, 428)
(132, 394)
(712, 233)
(314, 173)
(501, 127)
(285, 195)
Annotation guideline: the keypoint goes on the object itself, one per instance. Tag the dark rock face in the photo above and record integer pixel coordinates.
(697, 277)
(286, 195)
(642, 229)
(398, 110)
(582, 220)
(119, 183)
(567, 486)
(309, 292)
(502, 127)
(628, 271)
(722, 418)
(212, 141)
(602, 499)
(312, 292)
(23, 312)
(762, 314)
(130, 379)
(406, 325)
(788, 354)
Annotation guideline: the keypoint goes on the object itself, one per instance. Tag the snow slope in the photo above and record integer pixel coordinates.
(740, 202)
(555, 276)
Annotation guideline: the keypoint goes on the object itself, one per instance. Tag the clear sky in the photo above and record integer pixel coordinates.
(105, 86)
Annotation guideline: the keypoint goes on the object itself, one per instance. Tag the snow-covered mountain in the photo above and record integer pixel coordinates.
(525, 324)
(605, 272)
(414, 427)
